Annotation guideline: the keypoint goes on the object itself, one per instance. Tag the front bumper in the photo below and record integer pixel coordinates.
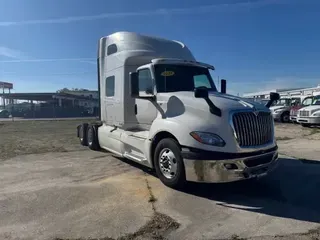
(276, 116)
(226, 167)
(293, 118)
(309, 120)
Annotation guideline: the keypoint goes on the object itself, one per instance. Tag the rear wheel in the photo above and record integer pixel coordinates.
(169, 163)
(83, 134)
(92, 137)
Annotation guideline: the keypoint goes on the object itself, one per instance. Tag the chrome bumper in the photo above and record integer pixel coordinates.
(293, 118)
(230, 170)
(310, 120)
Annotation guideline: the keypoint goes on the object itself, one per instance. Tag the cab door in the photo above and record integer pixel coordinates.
(145, 110)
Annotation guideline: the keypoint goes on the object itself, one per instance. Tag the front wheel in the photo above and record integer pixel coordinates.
(285, 117)
(169, 163)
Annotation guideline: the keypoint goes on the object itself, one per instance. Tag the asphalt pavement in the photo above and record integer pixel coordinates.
(86, 194)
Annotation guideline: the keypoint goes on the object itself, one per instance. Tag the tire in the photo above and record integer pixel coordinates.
(92, 138)
(83, 134)
(167, 158)
(285, 117)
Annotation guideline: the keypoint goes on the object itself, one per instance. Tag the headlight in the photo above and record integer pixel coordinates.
(317, 114)
(208, 138)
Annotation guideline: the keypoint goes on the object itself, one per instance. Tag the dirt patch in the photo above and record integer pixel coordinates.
(310, 235)
(32, 137)
(283, 138)
(156, 229)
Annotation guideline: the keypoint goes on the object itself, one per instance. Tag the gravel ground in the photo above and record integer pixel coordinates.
(299, 142)
(33, 137)
(294, 131)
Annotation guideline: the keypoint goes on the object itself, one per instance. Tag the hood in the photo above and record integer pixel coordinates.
(194, 113)
(274, 108)
(225, 102)
(295, 108)
(311, 108)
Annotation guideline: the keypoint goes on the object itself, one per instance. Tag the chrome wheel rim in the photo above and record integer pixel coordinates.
(90, 136)
(81, 133)
(168, 163)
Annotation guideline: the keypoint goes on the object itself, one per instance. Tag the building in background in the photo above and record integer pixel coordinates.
(284, 92)
(92, 95)
(51, 105)
(5, 87)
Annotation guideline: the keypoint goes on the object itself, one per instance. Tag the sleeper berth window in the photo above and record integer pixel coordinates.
(110, 85)
(112, 49)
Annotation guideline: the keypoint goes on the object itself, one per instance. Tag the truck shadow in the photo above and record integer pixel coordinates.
(291, 191)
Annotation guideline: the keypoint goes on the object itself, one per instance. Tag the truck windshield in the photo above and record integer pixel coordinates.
(283, 102)
(316, 101)
(175, 78)
(307, 101)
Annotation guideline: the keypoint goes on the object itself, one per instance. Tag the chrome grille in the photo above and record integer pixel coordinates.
(304, 113)
(293, 112)
(252, 130)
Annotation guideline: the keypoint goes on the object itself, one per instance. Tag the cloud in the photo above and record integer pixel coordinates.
(167, 11)
(87, 60)
(90, 62)
(11, 53)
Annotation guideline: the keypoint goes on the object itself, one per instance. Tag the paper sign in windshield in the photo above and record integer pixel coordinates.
(167, 73)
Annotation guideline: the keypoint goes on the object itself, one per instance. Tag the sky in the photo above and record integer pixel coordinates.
(46, 45)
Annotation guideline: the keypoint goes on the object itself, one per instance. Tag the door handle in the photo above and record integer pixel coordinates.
(135, 109)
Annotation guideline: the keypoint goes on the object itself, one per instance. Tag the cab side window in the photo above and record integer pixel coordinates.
(145, 81)
(307, 101)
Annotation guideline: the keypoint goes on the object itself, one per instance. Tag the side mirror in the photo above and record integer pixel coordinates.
(223, 86)
(201, 92)
(134, 84)
(273, 97)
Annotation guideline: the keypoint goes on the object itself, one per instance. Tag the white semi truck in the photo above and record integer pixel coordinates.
(310, 115)
(160, 107)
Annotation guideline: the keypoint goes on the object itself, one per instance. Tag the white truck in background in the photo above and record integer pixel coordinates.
(310, 115)
(281, 109)
(160, 107)
(306, 101)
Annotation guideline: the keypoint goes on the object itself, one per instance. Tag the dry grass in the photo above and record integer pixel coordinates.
(30, 137)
